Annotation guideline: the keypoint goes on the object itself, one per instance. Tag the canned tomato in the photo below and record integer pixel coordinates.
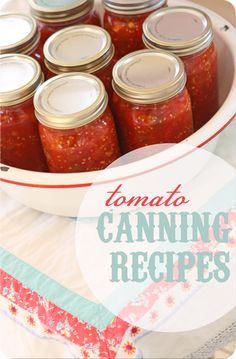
(54, 15)
(20, 34)
(123, 19)
(194, 43)
(76, 125)
(20, 76)
(82, 48)
(151, 102)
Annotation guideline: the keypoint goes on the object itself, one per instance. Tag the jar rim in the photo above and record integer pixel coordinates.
(133, 78)
(23, 91)
(89, 62)
(26, 44)
(51, 116)
(133, 7)
(58, 14)
(155, 38)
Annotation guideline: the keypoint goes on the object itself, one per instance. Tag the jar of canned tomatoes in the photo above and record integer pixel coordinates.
(54, 15)
(20, 76)
(76, 125)
(123, 19)
(150, 100)
(194, 43)
(21, 35)
(81, 48)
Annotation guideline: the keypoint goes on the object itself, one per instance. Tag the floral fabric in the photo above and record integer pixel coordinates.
(44, 317)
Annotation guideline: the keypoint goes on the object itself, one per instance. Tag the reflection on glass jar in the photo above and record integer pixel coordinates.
(54, 15)
(193, 42)
(151, 102)
(123, 19)
(76, 125)
(20, 76)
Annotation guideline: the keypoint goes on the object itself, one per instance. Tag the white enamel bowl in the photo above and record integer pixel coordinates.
(61, 194)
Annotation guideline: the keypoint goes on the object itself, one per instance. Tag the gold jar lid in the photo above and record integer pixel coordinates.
(133, 7)
(149, 76)
(56, 11)
(20, 76)
(18, 33)
(81, 48)
(70, 101)
(164, 29)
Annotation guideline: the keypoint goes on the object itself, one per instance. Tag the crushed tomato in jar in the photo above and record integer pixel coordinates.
(76, 125)
(55, 15)
(123, 19)
(81, 48)
(20, 76)
(194, 44)
(150, 100)
(20, 35)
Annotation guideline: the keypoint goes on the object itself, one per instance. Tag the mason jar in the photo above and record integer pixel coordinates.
(76, 125)
(123, 19)
(81, 48)
(54, 15)
(20, 76)
(150, 100)
(20, 34)
(194, 43)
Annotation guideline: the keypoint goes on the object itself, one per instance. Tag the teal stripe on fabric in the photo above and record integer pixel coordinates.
(81, 308)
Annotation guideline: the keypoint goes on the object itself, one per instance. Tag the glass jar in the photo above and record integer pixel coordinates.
(20, 76)
(193, 42)
(54, 15)
(123, 19)
(151, 102)
(81, 48)
(21, 35)
(76, 126)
